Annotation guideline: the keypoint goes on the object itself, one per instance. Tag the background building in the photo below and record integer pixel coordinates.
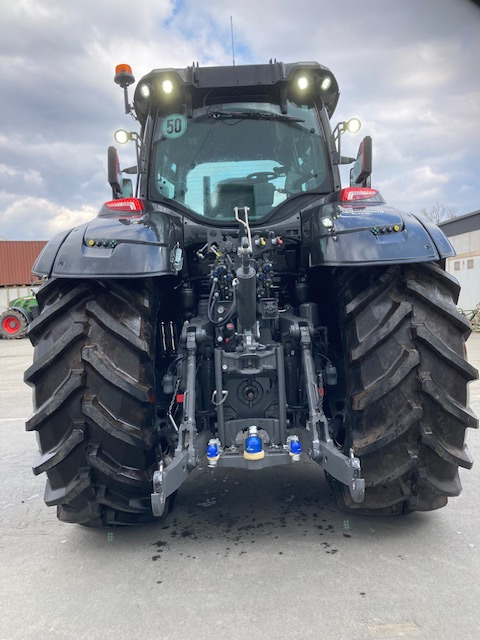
(464, 234)
(16, 261)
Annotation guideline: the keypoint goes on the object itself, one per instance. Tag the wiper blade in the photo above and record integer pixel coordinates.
(252, 115)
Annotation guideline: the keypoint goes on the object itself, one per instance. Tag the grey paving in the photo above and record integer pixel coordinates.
(243, 555)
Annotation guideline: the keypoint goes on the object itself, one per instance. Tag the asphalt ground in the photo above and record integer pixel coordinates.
(262, 554)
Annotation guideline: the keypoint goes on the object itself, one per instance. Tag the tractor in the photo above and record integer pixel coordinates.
(235, 307)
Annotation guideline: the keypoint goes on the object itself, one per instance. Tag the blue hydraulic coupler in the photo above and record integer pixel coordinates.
(295, 448)
(213, 452)
(253, 445)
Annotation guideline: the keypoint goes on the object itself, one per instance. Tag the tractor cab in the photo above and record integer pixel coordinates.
(217, 138)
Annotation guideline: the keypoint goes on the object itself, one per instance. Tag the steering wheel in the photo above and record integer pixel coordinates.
(261, 176)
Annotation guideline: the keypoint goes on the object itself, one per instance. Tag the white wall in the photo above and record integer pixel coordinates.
(466, 242)
(466, 268)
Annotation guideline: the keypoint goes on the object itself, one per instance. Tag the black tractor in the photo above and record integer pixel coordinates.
(236, 307)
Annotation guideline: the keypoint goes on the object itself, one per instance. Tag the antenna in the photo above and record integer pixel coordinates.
(233, 41)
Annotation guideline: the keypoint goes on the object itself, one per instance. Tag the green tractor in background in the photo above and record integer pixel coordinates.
(14, 321)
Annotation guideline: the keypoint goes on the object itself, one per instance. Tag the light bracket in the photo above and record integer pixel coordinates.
(352, 126)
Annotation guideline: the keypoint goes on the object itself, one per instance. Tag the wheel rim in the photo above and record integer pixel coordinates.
(11, 325)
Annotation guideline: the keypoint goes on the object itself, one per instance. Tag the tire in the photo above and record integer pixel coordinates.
(94, 378)
(406, 378)
(13, 324)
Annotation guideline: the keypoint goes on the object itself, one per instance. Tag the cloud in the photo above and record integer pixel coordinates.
(38, 218)
(11, 179)
(409, 71)
(421, 184)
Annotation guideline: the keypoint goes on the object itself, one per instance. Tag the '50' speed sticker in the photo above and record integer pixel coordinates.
(174, 126)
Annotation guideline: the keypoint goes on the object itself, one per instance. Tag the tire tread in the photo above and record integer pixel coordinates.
(407, 424)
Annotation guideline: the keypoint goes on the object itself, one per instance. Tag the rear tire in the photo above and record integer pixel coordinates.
(13, 324)
(94, 378)
(407, 378)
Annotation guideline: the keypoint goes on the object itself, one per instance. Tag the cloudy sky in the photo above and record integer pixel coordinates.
(409, 69)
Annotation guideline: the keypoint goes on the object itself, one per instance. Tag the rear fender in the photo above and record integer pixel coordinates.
(372, 234)
(114, 246)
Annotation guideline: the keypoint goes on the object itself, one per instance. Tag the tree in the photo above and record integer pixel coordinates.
(439, 213)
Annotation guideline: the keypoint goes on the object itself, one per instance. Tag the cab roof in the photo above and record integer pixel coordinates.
(195, 86)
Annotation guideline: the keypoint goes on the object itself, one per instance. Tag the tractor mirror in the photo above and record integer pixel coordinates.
(114, 174)
(362, 169)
